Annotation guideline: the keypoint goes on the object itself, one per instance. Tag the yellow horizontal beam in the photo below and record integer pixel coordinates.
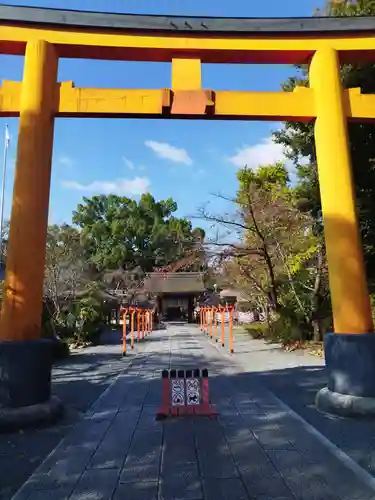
(360, 106)
(10, 95)
(106, 102)
(157, 103)
(102, 44)
(298, 105)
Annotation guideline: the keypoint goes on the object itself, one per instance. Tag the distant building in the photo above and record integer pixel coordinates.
(175, 293)
(234, 296)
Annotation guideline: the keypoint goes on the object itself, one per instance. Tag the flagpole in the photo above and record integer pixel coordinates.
(5, 157)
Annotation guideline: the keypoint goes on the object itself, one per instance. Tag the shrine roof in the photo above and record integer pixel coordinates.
(184, 282)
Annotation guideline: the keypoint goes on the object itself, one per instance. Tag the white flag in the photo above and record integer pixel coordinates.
(7, 136)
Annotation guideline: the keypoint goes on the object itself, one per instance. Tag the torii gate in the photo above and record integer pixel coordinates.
(46, 35)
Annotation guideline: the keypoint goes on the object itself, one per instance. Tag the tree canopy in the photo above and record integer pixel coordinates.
(119, 232)
(298, 138)
(278, 259)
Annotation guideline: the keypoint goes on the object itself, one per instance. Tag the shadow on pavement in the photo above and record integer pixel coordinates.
(297, 388)
(255, 449)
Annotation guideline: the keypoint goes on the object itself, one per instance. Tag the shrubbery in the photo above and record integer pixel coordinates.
(78, 325)
(286, 330)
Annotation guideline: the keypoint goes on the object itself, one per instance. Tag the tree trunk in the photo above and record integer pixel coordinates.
(317, 331)
(316, 299)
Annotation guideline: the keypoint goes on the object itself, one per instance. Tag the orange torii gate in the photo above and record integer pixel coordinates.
(208, 323)
(44, 36)
(141, 320)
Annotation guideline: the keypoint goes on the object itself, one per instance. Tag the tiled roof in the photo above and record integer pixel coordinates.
(174, 283)
(238, 294)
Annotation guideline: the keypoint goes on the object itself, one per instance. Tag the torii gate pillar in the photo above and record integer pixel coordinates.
(26, 359)
(350, 350)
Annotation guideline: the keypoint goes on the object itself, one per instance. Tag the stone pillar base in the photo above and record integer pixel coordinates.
(350, 366)
(12, 419)
(25, 384)
(344, 405)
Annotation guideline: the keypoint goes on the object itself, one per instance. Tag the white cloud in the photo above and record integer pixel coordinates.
(136, 186)
(132, 166)
(128, 163)
(65, 161)
(265, 152)
(169, 152)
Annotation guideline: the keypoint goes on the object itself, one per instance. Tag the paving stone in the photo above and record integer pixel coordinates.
(272, 438)
(145, 490)
(150, 409)
(313, 480)
(306, 478)
(181, 427)
(227, 409)
(145, 448)
(125, 422)
(96, 485)
(245, 449)
(237, 430)
(217, 464)
(224, 489)
(65, 472)
(86, 434)
(55, 494)
(180, 483)
(291, 497)
(110, 455)
(179, 445)
(131, 406)
(182, 452)
(110, 402)
(262, 479)
(147, 422)
(154, 396)
(147, 472)
(254, 450)
(114, 448)
(28, 492)
(102, 414)
(235, 421)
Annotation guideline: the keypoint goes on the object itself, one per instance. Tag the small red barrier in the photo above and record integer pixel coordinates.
(185, 393)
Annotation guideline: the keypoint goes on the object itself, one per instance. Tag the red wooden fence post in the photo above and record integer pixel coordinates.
(132, 329)
(124, 332)
(222, 327)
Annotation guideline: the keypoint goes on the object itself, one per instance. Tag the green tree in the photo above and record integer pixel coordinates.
(279, 259)
(66, 270)
(117, 232)
(5, 236)
(290, 255)
(298, 138)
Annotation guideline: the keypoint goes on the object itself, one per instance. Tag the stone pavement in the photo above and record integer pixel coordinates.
(295, 378)
(256, 449)
(78, 380)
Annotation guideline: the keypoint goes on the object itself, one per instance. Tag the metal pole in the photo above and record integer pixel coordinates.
(6, 145)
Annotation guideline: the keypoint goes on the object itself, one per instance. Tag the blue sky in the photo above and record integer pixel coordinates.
(183, 159)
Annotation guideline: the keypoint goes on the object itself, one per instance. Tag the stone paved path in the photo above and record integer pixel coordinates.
(78, 381)
(295, 378)
(256, 449)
